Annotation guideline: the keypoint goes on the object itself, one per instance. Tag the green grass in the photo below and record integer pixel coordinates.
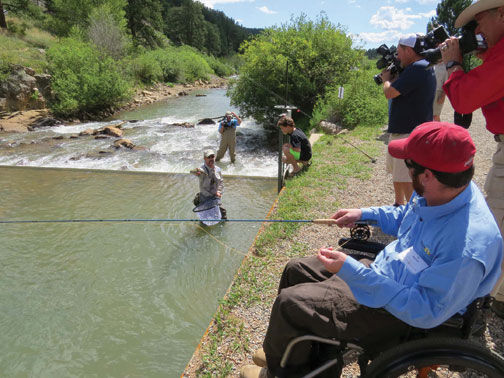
(310, 195)
(26, 50)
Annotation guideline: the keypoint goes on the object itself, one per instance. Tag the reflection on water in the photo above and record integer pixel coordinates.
(165, 148)
(113, 299)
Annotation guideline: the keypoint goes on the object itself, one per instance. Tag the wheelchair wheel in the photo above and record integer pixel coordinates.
(437, 357)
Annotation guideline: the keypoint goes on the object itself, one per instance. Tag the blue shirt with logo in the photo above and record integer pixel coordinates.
(443, 259)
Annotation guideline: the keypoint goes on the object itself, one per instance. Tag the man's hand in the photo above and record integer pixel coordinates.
(332, 260)
(450, 50)
(386, 75)
(347, 217)
(218, 194)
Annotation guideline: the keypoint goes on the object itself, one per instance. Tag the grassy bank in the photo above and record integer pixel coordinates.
(311, 195)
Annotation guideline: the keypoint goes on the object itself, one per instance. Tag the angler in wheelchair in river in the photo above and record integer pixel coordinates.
(448, 253)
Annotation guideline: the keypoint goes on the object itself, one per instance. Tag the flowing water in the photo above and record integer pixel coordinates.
(119, 299)
(166, 148)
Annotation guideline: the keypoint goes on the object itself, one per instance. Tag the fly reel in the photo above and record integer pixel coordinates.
(360, 232)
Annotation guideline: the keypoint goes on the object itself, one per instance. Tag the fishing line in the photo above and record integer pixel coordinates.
(316, 221)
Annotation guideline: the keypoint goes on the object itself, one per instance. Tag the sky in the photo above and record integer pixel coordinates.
(369, 22)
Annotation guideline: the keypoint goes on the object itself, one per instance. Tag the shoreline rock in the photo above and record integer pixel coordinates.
(25, 120)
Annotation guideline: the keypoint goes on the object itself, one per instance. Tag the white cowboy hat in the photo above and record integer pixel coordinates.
(475, 8)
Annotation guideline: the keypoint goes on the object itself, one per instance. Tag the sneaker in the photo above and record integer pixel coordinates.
(498, 308)
(259, 358)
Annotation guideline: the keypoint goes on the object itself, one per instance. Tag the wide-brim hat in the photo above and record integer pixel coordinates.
(472, 10)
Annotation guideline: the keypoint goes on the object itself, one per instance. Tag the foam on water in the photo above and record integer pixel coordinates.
(165, 147)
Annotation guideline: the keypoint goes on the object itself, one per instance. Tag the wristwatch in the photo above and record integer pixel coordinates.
(452, 63)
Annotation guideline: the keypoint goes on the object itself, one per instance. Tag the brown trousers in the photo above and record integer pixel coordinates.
(313, 301)
(228, 140)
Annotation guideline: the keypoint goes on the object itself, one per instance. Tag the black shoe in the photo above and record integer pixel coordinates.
(498, 308)
(223, 213)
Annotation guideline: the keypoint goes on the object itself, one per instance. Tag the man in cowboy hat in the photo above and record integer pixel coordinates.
(483, 87)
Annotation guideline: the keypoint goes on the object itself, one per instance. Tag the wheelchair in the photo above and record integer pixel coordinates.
(444, 351)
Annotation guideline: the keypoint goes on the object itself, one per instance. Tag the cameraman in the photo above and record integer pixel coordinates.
(227, 129)
(483, 87)
(412, 95)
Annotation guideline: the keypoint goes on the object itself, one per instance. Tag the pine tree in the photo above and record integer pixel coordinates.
(447, 12)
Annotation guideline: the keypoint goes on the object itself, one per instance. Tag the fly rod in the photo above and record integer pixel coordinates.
(316, 221)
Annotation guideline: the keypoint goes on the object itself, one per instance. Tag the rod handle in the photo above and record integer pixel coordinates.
(329, 222)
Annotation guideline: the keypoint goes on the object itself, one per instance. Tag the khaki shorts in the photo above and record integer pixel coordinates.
(494, 188)
(437, 107)
(399, 171)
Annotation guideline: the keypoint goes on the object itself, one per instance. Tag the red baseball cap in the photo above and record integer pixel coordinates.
(440, 146)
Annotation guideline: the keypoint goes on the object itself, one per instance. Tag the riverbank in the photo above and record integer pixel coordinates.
(23, 121)
(339, 177)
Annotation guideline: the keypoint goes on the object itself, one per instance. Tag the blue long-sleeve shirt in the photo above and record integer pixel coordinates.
(443, 259)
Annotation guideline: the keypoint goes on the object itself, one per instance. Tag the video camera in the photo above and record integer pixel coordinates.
(468, 42)
(388, 60)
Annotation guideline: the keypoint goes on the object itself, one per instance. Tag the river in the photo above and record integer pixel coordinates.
(120, 298)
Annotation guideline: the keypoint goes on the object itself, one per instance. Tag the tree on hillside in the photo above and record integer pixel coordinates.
(447, 12)
(14, 6)
(185, 24)
(145, 21)
(3, 23)
(66, 14)
(319, 53)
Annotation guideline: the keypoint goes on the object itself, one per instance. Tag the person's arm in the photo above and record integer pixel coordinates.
(388, 218)
(476, 88)
(388, 90)
(221, 128)
(238, 119)
(220, 181)
(440, 291)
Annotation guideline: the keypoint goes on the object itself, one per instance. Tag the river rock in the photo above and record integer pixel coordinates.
(206, 121)
(20, 90)
(113, 131)
(101, 136)
(45, 121)
(183, 93)
(330, 128)
(124, 143)
(186, 125)
(87, 132)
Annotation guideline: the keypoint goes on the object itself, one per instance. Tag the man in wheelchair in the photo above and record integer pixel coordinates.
(448, 252)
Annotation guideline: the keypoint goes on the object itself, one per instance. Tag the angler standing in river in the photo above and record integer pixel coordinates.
(211, 183)
(227, 129)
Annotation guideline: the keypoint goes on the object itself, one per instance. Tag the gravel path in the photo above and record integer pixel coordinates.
(374, 192)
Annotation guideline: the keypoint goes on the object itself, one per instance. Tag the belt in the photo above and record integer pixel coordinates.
(499, 137)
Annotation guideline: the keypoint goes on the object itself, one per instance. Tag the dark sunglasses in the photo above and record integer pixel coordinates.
(210, 157)
(409, 163)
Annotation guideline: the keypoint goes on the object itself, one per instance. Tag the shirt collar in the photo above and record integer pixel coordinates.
(495, 50)
(432, 212)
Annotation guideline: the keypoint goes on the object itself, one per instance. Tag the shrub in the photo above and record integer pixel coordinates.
(317, 54)
(82, 80)
(146, 69)
(195, 65)
(220, 68)
(363, 103)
